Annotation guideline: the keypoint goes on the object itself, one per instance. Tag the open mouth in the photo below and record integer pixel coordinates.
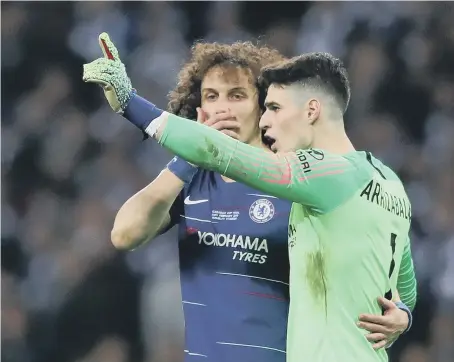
(268, 141)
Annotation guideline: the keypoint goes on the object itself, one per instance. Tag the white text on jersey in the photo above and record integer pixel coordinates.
(254, 248)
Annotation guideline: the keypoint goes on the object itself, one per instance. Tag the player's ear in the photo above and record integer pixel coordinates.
(313, 110)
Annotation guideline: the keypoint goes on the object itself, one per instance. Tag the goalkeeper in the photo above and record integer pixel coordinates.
(351, 210)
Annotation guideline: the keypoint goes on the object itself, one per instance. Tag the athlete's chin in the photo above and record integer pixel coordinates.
(274, 148)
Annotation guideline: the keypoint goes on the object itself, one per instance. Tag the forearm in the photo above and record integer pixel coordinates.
(310, 177)
(146, 214)
(212, 150)
(406, 282)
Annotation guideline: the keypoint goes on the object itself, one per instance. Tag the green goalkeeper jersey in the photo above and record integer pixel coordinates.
(344, 251)
(348, 235)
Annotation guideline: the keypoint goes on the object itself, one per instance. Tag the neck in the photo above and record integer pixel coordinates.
(331, 136)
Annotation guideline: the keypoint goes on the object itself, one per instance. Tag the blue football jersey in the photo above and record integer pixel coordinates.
(234, 271)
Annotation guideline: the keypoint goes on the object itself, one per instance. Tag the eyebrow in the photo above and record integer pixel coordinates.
(272, 103)
(236, 89)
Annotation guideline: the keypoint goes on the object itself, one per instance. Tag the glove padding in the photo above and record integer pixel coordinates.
(110, 73)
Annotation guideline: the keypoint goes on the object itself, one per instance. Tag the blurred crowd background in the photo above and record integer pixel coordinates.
(68, 162)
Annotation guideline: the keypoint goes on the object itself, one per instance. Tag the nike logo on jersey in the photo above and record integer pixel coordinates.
(187, 201)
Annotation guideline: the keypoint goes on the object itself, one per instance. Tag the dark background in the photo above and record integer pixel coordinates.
(68, 162)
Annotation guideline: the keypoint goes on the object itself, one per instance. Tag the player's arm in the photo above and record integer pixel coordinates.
(156, 208)
(147, 213)
(385, 329)
(406, 281)
(321, 182)
(397, 317)
(308, 177)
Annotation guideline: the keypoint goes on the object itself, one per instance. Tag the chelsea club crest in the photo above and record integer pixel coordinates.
(261, 211)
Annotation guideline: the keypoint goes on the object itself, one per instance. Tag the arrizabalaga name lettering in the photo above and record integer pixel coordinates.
(396, 205)
(254, 248)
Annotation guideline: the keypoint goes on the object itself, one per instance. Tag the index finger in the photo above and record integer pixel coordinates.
(215, 118)
(372, 318)
(108, 48)
(201, 115)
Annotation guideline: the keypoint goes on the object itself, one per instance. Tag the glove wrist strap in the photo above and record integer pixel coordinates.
(140, 112)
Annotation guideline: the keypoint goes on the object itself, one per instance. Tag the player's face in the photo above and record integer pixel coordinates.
(231, 90)
(285, 123)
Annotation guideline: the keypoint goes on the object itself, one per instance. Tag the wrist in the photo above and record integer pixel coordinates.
(407, 310)
(182, 169)
(140, 112)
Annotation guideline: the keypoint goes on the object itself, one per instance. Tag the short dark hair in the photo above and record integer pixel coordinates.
(186, 97)
(321, 70)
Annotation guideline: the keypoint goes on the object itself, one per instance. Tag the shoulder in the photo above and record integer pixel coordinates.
(317, 155)
(386, 172)
(312, 153)
(325, 163)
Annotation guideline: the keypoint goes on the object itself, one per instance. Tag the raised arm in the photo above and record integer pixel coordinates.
(309, 177)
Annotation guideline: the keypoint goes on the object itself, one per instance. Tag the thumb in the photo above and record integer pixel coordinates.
(386, 304)
(108, 48)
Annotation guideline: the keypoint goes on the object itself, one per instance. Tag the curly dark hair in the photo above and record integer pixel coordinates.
(321, 70)
(186, 96)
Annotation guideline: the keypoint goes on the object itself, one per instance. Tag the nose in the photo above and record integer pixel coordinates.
(218, 107)
(215, 111)
(221, 105)
(264, 122)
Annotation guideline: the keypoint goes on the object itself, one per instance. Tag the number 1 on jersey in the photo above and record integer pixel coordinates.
(389, 294)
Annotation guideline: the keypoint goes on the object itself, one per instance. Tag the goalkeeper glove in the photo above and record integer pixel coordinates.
(110, 73)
